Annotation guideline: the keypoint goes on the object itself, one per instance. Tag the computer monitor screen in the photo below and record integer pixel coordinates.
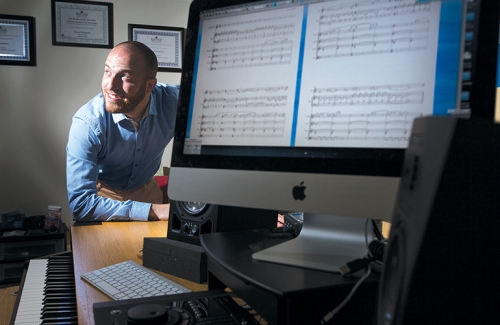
(308, 106)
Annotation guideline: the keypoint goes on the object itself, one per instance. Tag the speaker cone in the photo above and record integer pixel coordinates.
(193, 208)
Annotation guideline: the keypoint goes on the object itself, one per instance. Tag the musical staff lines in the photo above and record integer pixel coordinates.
(346, 30)
(265, 20)
(370, 95)
(224, 98)
(270, 30)
(329, 120)
(251, 112)
(259, 42)
(375, 125)
(362, 11)
(271, 89)
(272, 52)
(255, 101)
(243, 125)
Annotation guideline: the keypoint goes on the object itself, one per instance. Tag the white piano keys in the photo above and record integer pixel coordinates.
(31, 303)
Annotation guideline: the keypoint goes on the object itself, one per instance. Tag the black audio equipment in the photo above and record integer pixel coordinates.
(201, 308)
(439, 265)
(177, 258)
(294, 221)
(189, 220)
(180, 253)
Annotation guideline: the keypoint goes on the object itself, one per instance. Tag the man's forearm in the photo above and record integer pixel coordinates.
(159, 212)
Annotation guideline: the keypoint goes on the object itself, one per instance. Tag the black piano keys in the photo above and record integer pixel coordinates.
(47, 294)
(59, 302)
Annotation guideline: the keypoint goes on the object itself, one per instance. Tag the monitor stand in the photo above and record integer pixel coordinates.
(325, 243)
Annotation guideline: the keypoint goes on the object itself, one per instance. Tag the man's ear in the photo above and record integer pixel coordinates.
(150, 84)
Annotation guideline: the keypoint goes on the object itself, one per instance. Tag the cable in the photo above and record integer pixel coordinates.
(376, 230)
(330, 315)
(376, 249)
(373, 259)
(375, 255)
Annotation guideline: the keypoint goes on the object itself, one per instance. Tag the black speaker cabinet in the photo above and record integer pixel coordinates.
(189, 220)
(440, 261)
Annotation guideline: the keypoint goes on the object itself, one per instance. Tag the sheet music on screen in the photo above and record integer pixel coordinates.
(320, 73)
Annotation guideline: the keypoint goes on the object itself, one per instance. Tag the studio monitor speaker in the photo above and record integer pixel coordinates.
(189, 220)
(440, 261)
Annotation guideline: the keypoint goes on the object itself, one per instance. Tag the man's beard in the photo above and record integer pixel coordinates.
(128, 104)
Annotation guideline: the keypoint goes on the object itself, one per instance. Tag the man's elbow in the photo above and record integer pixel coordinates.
(80, 211)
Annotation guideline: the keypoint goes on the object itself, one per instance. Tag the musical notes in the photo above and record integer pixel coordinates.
(255, 42)
(383, 125)
(374, 95)
(239, 102)
(224, 98)
(332, 73)
(364, 34)
(271, 52)
(245, 90)
(271, 30)
(363, 10)
(244, 112)
(329, 119)
(363, 39)
(243, 125)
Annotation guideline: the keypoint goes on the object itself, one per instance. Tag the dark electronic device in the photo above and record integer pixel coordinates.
(439, 261)
(308, 106)
(175, 257)
(442, 244)
(294, 220)
(189, 220)
(180, 253)
(200, 308)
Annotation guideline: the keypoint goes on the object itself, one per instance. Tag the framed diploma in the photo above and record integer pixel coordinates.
(82, 23)
(17, 40)
(166, 42)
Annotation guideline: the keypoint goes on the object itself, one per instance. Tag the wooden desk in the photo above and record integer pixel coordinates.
(96, 246)
(7, 302)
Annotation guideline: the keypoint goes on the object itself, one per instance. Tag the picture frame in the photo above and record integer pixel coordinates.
(166, 42)
(82, 23)
(17, 40)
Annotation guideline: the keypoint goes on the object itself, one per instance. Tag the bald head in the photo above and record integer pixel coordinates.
(149, 57)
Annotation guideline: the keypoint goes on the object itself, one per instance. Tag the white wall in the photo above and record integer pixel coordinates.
(37, 103)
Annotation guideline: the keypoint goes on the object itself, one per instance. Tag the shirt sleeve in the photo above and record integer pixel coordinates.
(82, 172)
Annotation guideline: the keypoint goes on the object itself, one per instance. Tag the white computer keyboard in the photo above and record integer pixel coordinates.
(129, 280)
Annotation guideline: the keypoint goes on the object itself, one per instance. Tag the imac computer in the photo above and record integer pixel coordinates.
(307, 105)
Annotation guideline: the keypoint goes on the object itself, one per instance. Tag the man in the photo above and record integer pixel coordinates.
(116, 141)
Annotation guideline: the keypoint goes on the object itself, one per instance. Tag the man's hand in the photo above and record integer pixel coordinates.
(159, 212)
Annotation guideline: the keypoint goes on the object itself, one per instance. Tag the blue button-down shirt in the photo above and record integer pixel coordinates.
(107, 147)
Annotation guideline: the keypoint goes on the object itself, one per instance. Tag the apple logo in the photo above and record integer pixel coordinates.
(299, 192)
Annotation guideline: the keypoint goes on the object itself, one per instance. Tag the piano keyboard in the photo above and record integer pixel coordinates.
(47, 292)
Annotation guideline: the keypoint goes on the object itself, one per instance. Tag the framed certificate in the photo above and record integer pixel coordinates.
(166, 42)
(17, 40)
(82, 23)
